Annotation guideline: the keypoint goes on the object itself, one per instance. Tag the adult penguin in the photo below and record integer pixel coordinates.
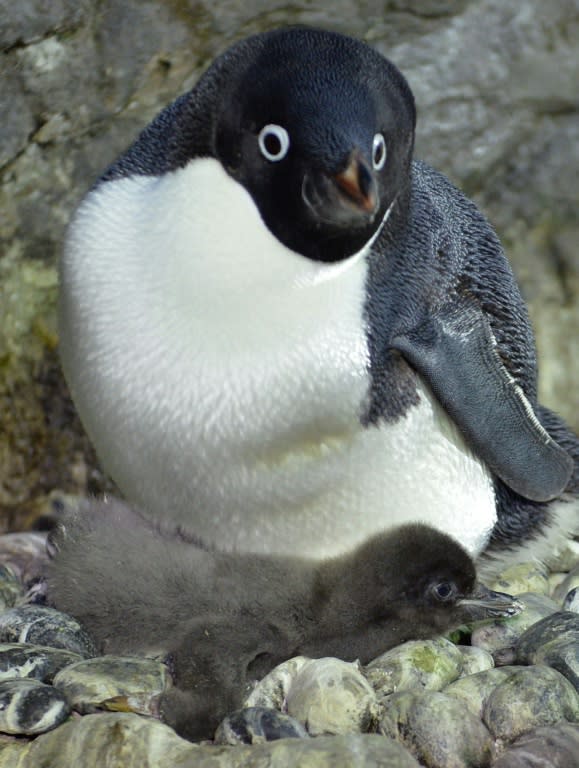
(284, 335)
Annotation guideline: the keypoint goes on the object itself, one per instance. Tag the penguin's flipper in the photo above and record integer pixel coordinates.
(564, 437)
(455, 352)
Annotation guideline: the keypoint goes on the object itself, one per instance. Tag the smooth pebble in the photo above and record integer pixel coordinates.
(40, 625)
(571, 601)
(333, 697)
(271, 692)
(120, 683)
(532, 697)
(109, 739)
(474, 690)
(554, 746)
(28, 707)
(554, 642)
(557, 626)
(474, 660)
(33, 661)
(437, 729)
(254, 725)
(130, 741)
(426, 664)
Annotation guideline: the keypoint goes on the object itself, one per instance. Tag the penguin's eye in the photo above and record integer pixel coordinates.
(378, 152)
(273, 142)
(444, 591)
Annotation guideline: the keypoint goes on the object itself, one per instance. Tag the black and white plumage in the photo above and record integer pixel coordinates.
(225, 618)
(285, 335)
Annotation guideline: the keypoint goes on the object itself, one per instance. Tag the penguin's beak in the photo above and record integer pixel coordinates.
(348, 198)
(357, 184)
(483, 603)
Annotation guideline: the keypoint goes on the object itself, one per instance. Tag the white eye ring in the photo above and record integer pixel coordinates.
(273, 142)
(378, 152)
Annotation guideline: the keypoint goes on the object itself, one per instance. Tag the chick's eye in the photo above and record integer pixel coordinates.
(273, 142)
(378, 152)
(444, 590)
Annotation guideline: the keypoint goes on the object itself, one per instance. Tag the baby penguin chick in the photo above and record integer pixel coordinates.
(222, 619)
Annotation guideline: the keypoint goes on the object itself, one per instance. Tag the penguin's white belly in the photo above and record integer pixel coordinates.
(321, 497)
(222, 378)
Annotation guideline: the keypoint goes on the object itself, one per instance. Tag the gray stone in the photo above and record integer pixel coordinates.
(28, 707)
(556, 746)
(117, 683)
(533, 697)
(255, 725)
(24, 22)
(474, 660)
(40, 625)
(11, 588)
(13, 751)
(571, 601)
(563, 655)
(554, 642)
(17, 120)
(271, 692)
(437, 729)
(44, 68)
(33, 661)
(474, 690)
(427, 664)
(367, 751)
(117, 740)
(332, 696)
(129, 741)
(563, 625)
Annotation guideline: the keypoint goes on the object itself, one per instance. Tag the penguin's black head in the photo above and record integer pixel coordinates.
(319, 128)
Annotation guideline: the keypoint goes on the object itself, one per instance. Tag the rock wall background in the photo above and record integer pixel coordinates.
(497, 87)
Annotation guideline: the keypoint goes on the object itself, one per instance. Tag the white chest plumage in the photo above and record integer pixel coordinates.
(222, 377)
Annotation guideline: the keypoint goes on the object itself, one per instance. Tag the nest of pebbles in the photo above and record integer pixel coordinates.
(502, 694)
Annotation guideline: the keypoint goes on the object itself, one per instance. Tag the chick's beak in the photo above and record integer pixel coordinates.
(483, 603)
